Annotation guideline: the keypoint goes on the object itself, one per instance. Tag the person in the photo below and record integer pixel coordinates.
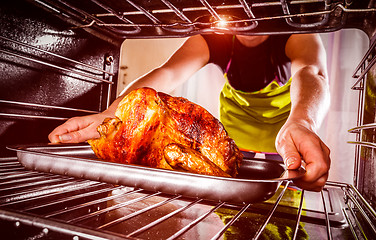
(274, 98)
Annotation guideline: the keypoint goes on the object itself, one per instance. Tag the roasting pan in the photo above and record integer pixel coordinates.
(258, 179)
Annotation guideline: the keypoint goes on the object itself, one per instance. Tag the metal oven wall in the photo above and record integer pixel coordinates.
(366, 172)
(29, 76)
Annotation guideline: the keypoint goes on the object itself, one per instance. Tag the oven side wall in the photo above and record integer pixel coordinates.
(367, 164)
(31, 80)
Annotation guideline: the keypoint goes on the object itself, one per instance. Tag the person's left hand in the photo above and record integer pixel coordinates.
(297, 141)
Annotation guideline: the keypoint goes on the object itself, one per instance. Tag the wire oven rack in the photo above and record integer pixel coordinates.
(365, 148)
(40, 205)
(172, 18)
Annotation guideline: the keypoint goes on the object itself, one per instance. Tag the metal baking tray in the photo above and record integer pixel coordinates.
(258, 179)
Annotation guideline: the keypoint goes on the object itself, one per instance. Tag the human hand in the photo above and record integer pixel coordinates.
(296, 141)
(77, 129)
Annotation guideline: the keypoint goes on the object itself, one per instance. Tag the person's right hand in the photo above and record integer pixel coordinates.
(77, 129)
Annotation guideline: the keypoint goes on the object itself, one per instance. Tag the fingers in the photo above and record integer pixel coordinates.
(75, 130)
(317, 186)
(54, 137)
(290, 155)
(77, 136)
(302, 143)
(316, 155)
(314, 179)
(61, 130)
(287, 149)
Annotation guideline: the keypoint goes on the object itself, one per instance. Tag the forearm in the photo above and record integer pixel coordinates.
(161, 79)
(298, 140)
(298, 137)
(187, 60)
(309, 97)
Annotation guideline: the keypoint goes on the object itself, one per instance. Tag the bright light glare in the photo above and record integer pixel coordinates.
(222, 23)
(46, 40)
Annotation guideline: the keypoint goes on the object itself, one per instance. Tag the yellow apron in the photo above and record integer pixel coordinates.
(253, 119)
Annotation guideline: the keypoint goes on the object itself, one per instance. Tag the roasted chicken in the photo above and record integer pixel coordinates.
(157, 130)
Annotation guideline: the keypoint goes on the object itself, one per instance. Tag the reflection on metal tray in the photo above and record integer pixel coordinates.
(258, 180)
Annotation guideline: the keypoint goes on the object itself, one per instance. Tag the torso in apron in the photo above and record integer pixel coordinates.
(253, 119)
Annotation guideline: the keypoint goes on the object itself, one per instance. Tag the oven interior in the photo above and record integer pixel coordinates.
(60, 59)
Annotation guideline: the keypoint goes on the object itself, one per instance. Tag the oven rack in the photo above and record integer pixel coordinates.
(55, 206)
(43, 106)
(77, 69)
(364, 68)
(169, 18)
(72, 68)
(367, 62)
